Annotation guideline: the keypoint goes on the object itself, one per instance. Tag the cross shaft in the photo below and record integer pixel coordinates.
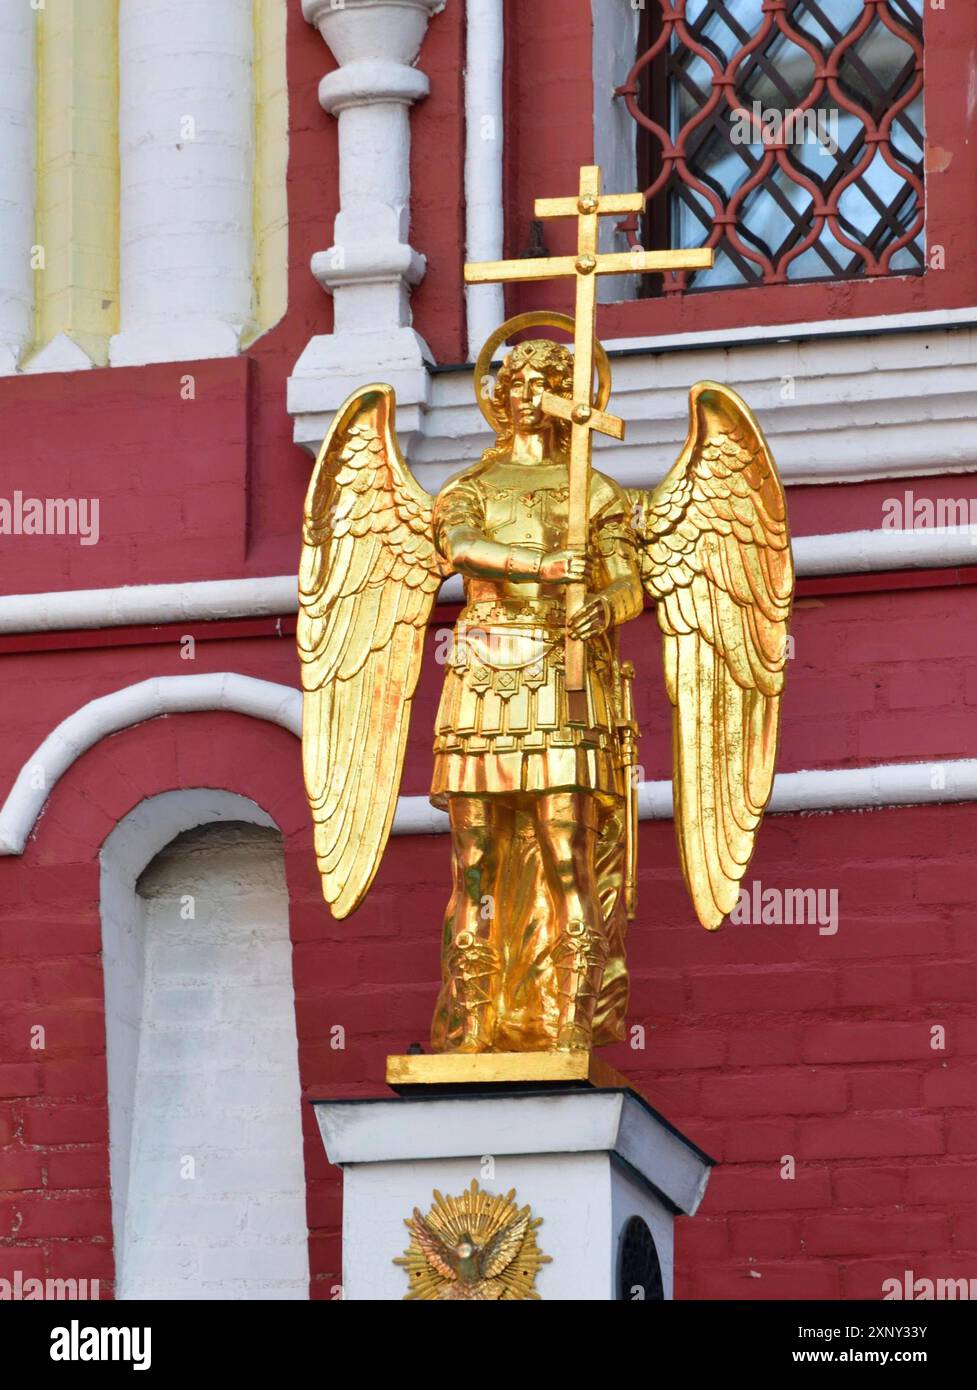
(587, 207)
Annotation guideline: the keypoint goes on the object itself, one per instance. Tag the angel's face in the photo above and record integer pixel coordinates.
(526, 387)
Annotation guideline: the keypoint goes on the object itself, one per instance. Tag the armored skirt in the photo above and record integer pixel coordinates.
(504, 726)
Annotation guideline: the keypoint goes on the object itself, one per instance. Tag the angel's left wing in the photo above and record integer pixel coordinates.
(716, 559)
(368, 579)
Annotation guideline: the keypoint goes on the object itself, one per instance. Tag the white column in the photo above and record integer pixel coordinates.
(17, 126)
(371, 266)
(484, 129)
(186, 125)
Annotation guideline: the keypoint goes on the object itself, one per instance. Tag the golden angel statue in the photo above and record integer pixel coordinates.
(539, 781)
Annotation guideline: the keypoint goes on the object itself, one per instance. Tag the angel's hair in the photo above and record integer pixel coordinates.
(556, 363)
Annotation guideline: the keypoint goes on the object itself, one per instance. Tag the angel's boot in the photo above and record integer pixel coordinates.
(474, 968)
(579, 956)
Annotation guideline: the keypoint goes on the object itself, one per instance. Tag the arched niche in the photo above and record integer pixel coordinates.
(207, 1169)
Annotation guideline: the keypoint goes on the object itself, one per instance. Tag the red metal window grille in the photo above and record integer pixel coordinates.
(786, 134)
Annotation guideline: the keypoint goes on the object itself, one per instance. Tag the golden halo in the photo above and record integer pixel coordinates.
(531, 320)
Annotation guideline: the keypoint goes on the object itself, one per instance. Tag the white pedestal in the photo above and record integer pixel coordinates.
(586, 1161)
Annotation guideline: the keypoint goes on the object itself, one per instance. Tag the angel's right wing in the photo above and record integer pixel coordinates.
(368, 578)
(504, 1246)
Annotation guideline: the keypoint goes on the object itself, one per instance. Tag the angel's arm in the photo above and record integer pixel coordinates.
(623, 590)
(622, 597)
(459, 533)
(469, 552)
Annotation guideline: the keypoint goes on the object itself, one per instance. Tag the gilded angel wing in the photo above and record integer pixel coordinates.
(502, 1249)
(368, 578)
(438, 1255)
(716, 559)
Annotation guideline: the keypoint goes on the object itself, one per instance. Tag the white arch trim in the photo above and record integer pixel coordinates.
(827, 789)
(161, 817)
(128, 848)
(279, 704)
(134, 842)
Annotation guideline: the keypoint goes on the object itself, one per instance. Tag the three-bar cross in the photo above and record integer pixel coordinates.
(585, 266)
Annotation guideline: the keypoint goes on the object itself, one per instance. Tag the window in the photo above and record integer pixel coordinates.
(790, 139)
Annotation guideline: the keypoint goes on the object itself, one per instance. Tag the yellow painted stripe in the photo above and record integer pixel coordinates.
(77, 287)
(271, 159)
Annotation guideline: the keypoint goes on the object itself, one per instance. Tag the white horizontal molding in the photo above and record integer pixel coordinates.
(280, 704)
(206, 600)
(209, 600)
(831, 789)
(866, 552)
(609, 1122)
(839, 409)
(787, 332)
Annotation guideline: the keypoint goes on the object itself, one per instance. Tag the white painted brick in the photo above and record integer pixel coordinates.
(186, 236)
(253, 1003)
(273, 1217)
(242, 1085)
(174, 1263)
(216, 1077)
(275, 1262)
(188, 1003)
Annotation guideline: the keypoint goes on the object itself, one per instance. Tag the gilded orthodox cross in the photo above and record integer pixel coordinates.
(585, 266)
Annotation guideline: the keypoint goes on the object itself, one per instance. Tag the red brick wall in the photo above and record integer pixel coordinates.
(760, 1041)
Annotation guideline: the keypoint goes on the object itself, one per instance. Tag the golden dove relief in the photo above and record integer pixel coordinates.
(473, 1247)
(535, 740)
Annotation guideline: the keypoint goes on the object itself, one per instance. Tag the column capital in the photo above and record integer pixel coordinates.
(360, 30)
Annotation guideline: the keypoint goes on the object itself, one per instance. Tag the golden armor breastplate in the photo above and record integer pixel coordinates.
(534, 519)
(515, 516)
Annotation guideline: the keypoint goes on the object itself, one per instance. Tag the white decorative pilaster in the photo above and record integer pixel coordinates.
(186, 126)
(371, 266)
(484, 128)
(615, 48)
(17, 149)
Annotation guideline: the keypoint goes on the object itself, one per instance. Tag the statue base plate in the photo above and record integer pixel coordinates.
(408, 1073)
